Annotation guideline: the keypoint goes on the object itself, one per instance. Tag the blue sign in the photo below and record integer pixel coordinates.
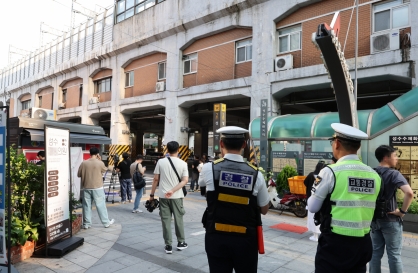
(3, 257)
(236, 181)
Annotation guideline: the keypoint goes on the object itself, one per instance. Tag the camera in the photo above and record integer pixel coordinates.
(116, 158)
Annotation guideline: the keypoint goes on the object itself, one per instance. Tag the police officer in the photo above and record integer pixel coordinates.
(236, 195)
(345, 196)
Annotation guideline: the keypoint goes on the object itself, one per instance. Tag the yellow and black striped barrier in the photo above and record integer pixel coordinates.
(254, 155)
(184, 152)
(117, 150)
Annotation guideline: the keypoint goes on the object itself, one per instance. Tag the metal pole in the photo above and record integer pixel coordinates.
(356, 55)
(271, 100)
(9, 192)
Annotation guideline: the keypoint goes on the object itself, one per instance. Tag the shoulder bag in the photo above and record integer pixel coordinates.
(138, 179)
(172, 165)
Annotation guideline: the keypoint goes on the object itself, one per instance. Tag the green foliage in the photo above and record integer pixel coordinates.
(413, 208)
(27, 187)
(282, 184)
(74, 203)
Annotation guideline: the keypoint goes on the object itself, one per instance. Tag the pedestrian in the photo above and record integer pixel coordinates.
(345, 195)
(309, 181)
(137, 167)
(41, 157)
(168, 172)
(199, 169)
(195, 174)
(90, 172)
(388, 230)
(236, 195)
(125, 178)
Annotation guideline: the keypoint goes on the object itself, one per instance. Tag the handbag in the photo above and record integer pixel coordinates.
(138, 179)
(172, 165)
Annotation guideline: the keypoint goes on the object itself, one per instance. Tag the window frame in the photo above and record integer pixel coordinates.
(137, 3)
(128, 82)
(243, 46)
(99, 82)
(64, 96)
(289, 34)
(26, 104)
(190, 58)
(40, 101)
(390, 16)
(165, 70)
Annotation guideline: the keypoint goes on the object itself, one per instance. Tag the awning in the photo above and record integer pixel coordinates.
(38, 135)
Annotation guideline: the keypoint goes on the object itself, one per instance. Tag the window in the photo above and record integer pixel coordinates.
(104, 85)
(190, 64)
(40, 101)
(289, 38)
(26, 104)
(244, 50)
(390, 15)
(161, 70)
(129, 79)
(64, 95)
(127, 8)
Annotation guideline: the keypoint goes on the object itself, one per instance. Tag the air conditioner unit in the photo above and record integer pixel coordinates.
(384, 41)
(160, 86)
(283, 62)
(94, 100)
(44, 114)
(61, 105)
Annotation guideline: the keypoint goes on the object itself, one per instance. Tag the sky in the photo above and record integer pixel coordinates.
(20, 22)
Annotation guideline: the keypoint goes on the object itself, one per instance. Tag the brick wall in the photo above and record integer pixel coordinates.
(12, 107)
(47, 95)
(216, 58)
(145, 74)
(104, 96)
(102, 74)
(309, 55)
(73, 93)
(25, 97)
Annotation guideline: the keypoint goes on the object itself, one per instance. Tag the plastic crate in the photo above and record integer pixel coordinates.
(296, 184)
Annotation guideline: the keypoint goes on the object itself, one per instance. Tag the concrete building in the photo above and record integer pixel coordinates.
(156, 66)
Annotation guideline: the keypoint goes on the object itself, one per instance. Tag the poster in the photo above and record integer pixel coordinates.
(311, 159)
(282, 159)
(407, 159)
(219, 121)
(57, 183)
(3, 255)
(76, 159)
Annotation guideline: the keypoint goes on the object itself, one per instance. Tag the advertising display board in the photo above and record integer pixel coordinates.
(263, 134)
(3, 256)
(219, 121)
(310, 159)
(57, 183)
(282, 159)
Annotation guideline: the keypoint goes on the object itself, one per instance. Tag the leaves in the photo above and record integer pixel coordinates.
(282, 184)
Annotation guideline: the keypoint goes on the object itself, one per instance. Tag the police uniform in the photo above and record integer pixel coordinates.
(345, 195)
(235, 191)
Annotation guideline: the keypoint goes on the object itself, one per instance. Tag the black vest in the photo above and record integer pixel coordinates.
(232, 207)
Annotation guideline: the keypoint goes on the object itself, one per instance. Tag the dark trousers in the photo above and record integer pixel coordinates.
(226, 252)
(342, 254)
(126, 189)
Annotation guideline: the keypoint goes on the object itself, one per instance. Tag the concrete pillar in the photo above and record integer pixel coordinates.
(175, 118)
(414, 42)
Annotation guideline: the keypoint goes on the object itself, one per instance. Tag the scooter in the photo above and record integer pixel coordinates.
(295, 203)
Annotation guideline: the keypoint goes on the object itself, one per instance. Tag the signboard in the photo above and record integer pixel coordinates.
(219, 121)
(283, 159)
(3, 253)
(310, 159)
(407, 158)
(57, 183)
(263, 134)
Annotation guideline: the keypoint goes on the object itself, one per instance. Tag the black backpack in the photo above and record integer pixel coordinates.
(138, 179)
(380, 211)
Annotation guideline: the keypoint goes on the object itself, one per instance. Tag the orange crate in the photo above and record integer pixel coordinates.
(296, 184)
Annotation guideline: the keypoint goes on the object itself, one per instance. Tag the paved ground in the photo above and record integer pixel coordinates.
(135, 244)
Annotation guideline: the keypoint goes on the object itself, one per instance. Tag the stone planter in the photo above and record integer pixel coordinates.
(20, 253)
(77, 224)
(410, 223)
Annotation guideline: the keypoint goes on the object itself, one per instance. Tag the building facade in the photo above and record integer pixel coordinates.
(159, 66)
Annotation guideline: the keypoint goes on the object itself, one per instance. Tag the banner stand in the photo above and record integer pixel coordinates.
(58, 223)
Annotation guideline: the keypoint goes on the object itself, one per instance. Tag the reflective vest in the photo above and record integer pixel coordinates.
(351, 204)
(232, 207)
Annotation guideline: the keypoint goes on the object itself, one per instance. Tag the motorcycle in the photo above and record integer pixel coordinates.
(295, 203)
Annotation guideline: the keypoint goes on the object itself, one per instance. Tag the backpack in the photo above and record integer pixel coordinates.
(138, 179)
(380, 211)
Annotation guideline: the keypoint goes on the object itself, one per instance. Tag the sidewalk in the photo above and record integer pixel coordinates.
(135, 244)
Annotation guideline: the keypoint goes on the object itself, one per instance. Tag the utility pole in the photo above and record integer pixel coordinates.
(355, 58)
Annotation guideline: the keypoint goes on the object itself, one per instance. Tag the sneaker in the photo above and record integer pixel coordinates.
(86, 227)
(313, 238)
(130, 201)
(110, 223)
(168, 249)
(137, 210)
(191, 190)
(181, 246)
(122, 202)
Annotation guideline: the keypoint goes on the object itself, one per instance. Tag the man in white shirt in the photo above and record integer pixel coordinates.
(171, 194)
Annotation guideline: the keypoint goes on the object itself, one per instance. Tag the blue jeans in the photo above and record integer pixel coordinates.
(138, 198)
(389, 234)
(126, 189)
(98, 196)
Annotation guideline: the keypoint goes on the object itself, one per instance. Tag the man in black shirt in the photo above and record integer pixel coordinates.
(125, 178)
(41, 157)
(195, 174)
